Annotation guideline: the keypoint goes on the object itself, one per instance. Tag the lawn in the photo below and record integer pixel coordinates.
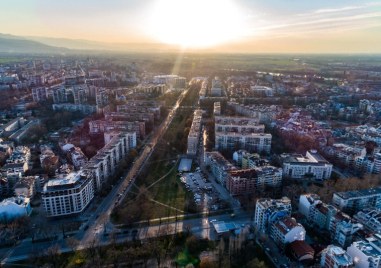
(159, 181)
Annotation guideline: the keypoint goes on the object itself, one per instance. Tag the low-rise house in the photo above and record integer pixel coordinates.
(301, 251)
(287, 230)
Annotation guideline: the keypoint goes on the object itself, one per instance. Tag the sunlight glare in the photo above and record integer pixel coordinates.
(195, 23)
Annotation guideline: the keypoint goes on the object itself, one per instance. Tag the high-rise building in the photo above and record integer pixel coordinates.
(105, 162)
(194, 133)
(39, 94)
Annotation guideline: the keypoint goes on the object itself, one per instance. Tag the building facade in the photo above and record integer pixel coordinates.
(313, 165)
(353, 201)
(68, 196)
(105, 162)
(268, 211)
(335, 257)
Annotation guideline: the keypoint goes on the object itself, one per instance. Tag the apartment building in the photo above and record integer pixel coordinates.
(366, 253)
(238, 125)
(264, 114)
(101, 97)
(268, 211)
(171, 80)
(80, 94)
(194, 133)
(219, 166)
(252, 142)
(104, 163)
(340, 226)
(370, 219)
(58, 93)
(39, 94)
(68, 196)
(335, 257)
(249, 181)
(312, 165)
(151, 88)
(130, 116)
(217, 108)
(101, 126)
(83, 108)
(353, 201)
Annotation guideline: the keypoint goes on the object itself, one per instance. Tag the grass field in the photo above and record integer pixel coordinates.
(158, 191)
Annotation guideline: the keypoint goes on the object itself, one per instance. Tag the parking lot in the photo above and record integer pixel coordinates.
(203, 190)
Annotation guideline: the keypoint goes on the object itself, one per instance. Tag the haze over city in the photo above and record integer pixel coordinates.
(239, 26)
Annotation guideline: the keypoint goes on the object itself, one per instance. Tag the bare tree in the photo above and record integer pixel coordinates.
(72, 243)
(52, 255)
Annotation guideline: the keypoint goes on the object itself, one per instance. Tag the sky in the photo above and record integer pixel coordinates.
(287, 26)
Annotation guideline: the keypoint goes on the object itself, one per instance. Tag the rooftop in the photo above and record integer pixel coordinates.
(222, 227)
(367, 249)
(339, 255)
(71, 180)
(359, 193)
(286, 224)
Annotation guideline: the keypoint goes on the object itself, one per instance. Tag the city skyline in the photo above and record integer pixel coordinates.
(226, 26)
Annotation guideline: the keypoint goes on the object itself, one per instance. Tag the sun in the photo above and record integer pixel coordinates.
(195, 23)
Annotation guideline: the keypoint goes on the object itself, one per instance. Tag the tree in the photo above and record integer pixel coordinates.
(256, 263)
(114, 256)
(192, 244)
(52, 255)
(72, 243)
(207, 263)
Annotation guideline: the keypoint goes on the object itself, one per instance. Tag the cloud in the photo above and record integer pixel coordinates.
(334, 10)
(331, 20)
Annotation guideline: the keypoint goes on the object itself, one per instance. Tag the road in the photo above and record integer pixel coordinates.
(97, 224)
(200, 227)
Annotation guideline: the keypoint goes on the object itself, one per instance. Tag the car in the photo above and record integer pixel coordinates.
(267, 249)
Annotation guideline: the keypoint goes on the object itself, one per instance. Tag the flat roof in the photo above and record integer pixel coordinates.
(185, 164)
(223, 227)
(71, 178)
(359, 193)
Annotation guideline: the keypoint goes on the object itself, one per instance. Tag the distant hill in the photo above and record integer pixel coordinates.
(37, 44)
(82, 44)
(15, 44)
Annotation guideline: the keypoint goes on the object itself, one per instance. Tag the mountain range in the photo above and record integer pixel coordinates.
(39, 45)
